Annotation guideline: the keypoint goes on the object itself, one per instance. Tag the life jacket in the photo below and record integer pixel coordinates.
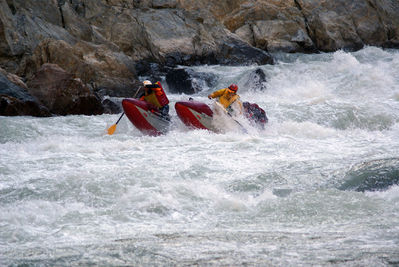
(225, 98)
(157, 96)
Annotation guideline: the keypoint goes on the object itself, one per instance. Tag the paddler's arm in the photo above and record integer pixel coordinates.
(217, 93)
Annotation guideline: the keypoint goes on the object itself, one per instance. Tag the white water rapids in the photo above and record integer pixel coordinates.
(289, 195)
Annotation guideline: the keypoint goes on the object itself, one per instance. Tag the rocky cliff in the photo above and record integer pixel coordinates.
(101, 47)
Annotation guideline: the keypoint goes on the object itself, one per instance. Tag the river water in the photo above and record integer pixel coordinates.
(318, 186)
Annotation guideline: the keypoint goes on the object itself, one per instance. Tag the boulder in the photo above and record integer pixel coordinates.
(151, 71)
(374, 175)
(16, 101)
(62, 93)
(101, 41)
(270, 25)
(351, 24)
(188, 81)
(110, 107)
(25, 23)
(237, 52)
(74, 23)
(256, 80)
(111, 73)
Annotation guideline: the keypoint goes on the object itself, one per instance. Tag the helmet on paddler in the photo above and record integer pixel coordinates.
(233, 87)
(147, 82)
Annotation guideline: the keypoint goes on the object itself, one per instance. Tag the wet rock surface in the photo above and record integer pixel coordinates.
(108, 44)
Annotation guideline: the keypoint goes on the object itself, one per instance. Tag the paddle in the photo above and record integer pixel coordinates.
(112, 129)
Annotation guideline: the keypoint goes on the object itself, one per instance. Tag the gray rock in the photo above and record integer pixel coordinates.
(188, 81)
(375, 175)
(16, 101)
(102, 41)
(62, 93)
(256, 80)
(111, 107)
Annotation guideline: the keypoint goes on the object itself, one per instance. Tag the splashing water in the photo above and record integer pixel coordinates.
(72, 195)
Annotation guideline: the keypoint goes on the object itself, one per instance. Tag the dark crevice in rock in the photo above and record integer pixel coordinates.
(154, 52)
(84, 8)
(298, 5)
(308, 31)
(60, 4)
(357, 32)
(373, 5)
(253, 39)
(159, 7)
(304, 18)
(12, 7)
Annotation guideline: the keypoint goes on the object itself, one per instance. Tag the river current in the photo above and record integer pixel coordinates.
(317, 186)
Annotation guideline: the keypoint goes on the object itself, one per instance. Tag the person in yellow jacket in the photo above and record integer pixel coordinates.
(156, 98)
(228, 98)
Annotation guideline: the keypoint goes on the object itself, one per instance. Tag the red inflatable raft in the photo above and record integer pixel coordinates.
(195, 114)
(199, 115)
(143, 118)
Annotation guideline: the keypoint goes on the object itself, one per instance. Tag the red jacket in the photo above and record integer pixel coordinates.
(154, 94)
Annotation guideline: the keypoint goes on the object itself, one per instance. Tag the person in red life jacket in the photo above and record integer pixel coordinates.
(255, 113)
(228, 97)
(156, 98)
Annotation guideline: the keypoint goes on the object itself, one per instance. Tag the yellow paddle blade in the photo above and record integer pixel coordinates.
(112, 129)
